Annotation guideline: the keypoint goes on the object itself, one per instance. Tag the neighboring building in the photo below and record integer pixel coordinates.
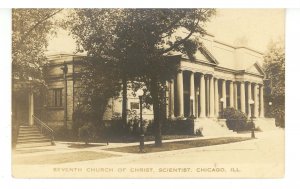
(221, 76)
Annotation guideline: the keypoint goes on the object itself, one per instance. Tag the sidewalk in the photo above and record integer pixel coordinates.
(262, 157)
(63, 147)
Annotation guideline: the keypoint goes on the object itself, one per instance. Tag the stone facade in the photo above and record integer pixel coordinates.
(221, 76)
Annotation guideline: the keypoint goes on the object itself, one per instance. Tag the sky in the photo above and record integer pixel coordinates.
(254, 28)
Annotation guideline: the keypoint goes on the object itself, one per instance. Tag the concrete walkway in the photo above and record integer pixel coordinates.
(62, 147)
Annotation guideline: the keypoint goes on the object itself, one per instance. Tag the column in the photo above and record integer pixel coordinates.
(243, 107)
(216, 98)
(202, 96)
(207, 96)
(192, 94)
(167, 99)
(31, 108)
(224, 93)
(171, 98)
(196, 100)
(255, 100)
(231, 94)
(180, 100)
(235, 95)
(211, 97)
(249, 98)
(261, 103)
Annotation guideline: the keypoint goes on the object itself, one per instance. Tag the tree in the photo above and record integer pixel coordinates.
(98, 83)
(138, 41)
(100, 75)
(275, 70)
(29, 40)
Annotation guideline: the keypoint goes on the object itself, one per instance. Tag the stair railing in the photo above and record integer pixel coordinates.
(45, 129)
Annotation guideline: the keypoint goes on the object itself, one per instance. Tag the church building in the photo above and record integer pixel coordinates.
(221, 76)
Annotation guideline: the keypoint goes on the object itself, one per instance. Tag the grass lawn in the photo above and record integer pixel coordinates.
(62, 158)
(26, 151)
(83, 145)
(130, 139)
(168, 146)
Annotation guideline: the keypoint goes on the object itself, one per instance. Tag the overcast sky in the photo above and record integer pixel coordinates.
(254, 28)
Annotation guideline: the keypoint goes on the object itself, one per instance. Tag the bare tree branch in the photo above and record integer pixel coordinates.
(35, 26)
(178, 43)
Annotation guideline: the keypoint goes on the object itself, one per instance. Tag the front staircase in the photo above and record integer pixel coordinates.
(212, 127)
(265, 124)
(30, 136)
(35, 136)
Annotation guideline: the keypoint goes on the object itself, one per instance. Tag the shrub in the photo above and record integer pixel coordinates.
(63, 133)
(199, 132)
(81, 115)
(173, 127)
(235, 119)
(133, 122)
(84, 133)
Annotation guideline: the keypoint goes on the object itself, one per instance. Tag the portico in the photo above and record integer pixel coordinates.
(200, 95)
(203, 89)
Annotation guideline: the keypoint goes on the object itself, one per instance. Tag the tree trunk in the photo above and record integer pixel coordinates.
(124, 102)
(156, 111)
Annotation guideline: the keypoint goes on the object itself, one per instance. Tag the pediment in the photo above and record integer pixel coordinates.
(255, 69)
(204, 55)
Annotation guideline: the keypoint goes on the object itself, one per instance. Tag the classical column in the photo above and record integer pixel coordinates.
(235, 95)
(261, 103)
(211, 97)
(202, 96)
(255, 101)
(196, 99)
(31, 108)
(207, 96)
(231, 94)
(249, 98)
(171, 98)
(180, 100)
(192, 94)
(216, 98)
(224, 93)
(167, 99)
(242, 88)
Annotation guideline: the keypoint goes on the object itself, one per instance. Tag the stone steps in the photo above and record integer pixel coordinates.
(265, 124)
(211, 127)
(29, 136)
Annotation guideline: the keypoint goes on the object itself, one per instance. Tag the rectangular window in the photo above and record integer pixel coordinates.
(55, 97)
(134, 105)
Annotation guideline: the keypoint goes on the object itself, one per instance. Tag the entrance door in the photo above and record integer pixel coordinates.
(20, 108)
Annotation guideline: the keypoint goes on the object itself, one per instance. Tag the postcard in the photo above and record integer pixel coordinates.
(148, 93)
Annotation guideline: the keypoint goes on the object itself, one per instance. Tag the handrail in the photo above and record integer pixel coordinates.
(44, 127)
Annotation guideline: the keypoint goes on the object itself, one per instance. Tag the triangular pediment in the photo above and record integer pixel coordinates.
(255, 69)
(203, 54)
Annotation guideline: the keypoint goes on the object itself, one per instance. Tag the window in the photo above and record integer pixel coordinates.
(55, 98)
(134, 105)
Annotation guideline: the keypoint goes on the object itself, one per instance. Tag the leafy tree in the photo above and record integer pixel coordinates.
(29, 40)
(100, 75)
(150, 35)
(137, 41)
(98, 83)
(275, 70)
